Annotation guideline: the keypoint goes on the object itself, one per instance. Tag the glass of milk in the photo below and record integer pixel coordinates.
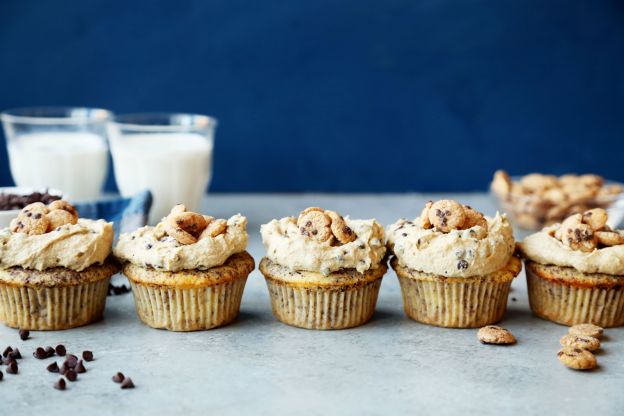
(58, 147)
(169, 154)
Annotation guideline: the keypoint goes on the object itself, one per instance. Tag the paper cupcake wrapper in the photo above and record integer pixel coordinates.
(454, 304)
(53, 308)
(188, 309)
(323, 308)
(570, 305)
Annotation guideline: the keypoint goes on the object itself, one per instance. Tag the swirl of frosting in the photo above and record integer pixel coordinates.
(152, 247)
(542, 247)
(458, 253)
(286, 245)
(73, 246)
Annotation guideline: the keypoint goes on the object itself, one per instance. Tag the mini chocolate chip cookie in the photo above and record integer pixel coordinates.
(580, 341)
(58, 218)
(473, 218)
(577, 358)
(64, 206)
(339, 228)
(214, 228)
(493, 334)
(609, 238)
(586, 329)
(446, 215)
(596, 218)
(315, 224)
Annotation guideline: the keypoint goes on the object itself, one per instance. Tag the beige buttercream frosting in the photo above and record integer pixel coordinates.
(152, 247)
(75, 247)
(458, 253)
(542, 247)
(286, 246)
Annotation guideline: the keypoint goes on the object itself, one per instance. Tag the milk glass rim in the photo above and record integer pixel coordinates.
(74, 115)
(192, 122)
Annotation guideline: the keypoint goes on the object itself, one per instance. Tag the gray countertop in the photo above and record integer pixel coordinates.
(257, 365)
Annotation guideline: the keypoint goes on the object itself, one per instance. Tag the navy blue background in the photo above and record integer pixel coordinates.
(326, 95)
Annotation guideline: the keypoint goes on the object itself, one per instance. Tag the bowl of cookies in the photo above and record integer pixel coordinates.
(535, 200)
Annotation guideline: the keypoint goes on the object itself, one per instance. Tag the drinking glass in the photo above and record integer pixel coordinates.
(169, 154)
(58, 147)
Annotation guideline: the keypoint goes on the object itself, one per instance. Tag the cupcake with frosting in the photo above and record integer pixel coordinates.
(188, 272)
(323, 271)
(575, 271)
(455, 265)
(54, 268)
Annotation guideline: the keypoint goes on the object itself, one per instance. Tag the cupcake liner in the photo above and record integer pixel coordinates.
(452, 303)
(52, 308)
(314, 307)
(569, 304)
(188, 309)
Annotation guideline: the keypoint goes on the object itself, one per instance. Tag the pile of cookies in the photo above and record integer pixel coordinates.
(536, 200)
(324, 226)
(446, 215)
(587, 231)
(579, 345)
(38, 218)
(189, 227)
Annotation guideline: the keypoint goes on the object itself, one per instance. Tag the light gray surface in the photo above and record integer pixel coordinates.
(259, 366)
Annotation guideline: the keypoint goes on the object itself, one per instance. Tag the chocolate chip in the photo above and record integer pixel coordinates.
(60, 350)
(87, 355)
(118, 378)
(80, 368)
(60, 384)
(53, 368)
(513, 299)
(127, 383)
(49, 351)
(71, 375)
(71, 361)
(37, 215)
(148, 246)
(12, 368)
(63, 368)
(462, 265)
(24, 334)
(16, 354)
(6, 352)
(40, 353)
(404, 234)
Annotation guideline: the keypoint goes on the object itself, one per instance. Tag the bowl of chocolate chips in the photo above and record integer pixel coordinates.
(13, 199)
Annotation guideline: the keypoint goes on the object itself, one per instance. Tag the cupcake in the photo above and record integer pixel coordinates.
(54, 268)
(323, 271)
(575, 271)
(455, 266)
(188, 272)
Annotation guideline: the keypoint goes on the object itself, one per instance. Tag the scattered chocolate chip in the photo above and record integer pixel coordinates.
(118, 378)
(127, 383)
(63, 368)
(80, 368)
(24, 334)
(87, 355)
(40, 353)
(16, 354)
(71, 360)
(60, 350)
(49, 351)
(60, 384)
(53, 368)
(71, 375)
(6, 352)
(12, 368)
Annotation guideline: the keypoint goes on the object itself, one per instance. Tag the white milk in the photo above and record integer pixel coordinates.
(176, 167)
(74, 162)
